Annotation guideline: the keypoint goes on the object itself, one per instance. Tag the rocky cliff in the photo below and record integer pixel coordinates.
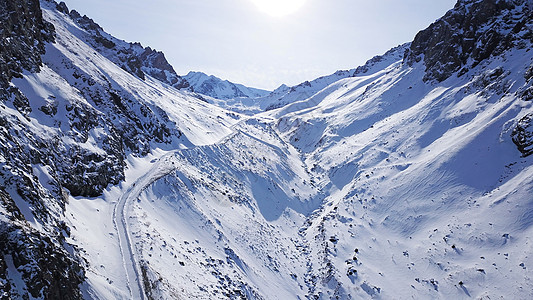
(53, 145)
(22, 36)
(471, 32)
(132, 57)
(38, 257)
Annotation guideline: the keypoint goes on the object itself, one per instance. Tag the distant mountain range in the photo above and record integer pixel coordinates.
(215, 87)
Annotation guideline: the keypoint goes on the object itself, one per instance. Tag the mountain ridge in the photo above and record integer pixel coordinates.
(407, 177)
(215, 87)
(132, 57)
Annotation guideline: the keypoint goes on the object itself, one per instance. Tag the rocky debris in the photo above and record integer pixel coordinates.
(470, 33)
(490, 82)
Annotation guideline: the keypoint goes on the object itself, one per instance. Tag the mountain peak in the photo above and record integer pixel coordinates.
(132, 57)
(215, 87)
(470, 33)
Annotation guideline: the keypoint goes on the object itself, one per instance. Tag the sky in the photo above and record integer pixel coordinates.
(253, 43)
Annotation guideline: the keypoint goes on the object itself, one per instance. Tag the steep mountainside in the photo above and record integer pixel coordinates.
(132, 57)
(408, 177)
(70, 119)
(37, 256)
(470, 33)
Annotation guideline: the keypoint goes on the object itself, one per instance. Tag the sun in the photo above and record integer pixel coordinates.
(279, 8)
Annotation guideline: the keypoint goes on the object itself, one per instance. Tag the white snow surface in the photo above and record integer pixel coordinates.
(215, 87)
(285, 95)
(369, 185)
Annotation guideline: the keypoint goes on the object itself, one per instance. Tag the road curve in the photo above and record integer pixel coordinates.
(120, 217)
(165, 165)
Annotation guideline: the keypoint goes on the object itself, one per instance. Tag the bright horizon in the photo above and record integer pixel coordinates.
(265, 43)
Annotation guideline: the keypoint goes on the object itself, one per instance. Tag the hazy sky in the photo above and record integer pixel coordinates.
(239, 41)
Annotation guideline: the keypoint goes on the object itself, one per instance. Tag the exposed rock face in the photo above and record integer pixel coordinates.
(128, 124)
(156, 65)
(80, 150)
(132, 57)
(48, 270)
(22, 36)
(523, 135)
(471, 32)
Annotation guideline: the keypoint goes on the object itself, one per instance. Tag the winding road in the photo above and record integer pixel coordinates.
(120, 217)
(162, 167)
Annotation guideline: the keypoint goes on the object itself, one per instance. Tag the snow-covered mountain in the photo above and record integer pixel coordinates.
(409, 177)
(285, 95)
(71, 120)
(132, 57)
(217, 88)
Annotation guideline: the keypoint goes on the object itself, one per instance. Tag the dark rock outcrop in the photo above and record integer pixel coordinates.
(132, 57)
(522, 135)
(22, 36)
(47, 269)
(471, 32)
(156, 65)
(526, 93)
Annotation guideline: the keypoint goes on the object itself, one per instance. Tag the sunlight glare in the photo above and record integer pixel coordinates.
(279, 8)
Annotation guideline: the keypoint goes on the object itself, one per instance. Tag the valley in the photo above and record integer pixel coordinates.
(407, 177)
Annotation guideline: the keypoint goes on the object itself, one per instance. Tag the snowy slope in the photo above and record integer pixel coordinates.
(197, 120)
(72, 131)
(132, 57)
(285, 95)
(423, 195)
(409, 177)
(199, 123)
(217, 88)
(425, 183)
(418, 189)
